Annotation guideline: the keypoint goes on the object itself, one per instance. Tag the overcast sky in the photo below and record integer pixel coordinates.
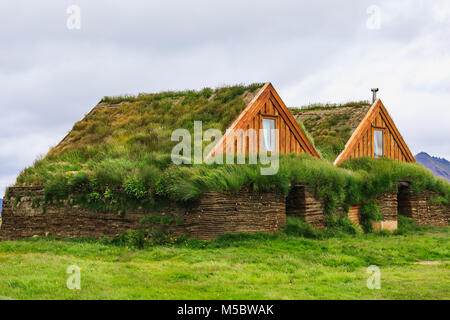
(312, 51)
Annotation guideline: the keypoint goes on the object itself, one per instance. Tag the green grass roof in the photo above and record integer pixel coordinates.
(331, 126)
(147, 120)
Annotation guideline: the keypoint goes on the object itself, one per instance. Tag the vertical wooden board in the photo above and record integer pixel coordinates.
(258, 124)
(389, 139)
(386, 142)
(372, 137)
(396, 152)
(392, 147)
(247, 141)
(387, 148)
(253, 127)
(292, 142)
(288, 140)
(369, 139)
(367, 144)
(275, 109)
(364, 145)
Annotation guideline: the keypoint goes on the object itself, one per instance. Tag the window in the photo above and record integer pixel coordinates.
(378, 143)
(268, 134)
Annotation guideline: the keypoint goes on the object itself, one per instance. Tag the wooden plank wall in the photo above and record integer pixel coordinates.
(288, 142)
(353, 214)
(364, 146)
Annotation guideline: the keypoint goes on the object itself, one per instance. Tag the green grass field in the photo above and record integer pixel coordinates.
(241, 267)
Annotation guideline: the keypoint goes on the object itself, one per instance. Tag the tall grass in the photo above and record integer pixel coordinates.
(112, 179)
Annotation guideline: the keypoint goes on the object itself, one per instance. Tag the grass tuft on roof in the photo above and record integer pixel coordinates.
(331, 125)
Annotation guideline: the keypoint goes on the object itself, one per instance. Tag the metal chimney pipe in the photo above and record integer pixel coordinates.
(374, 94)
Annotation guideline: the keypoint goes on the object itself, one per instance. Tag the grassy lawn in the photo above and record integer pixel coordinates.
(258, 267)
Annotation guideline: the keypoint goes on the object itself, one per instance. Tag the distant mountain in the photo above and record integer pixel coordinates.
(439, 166)
(1, 202)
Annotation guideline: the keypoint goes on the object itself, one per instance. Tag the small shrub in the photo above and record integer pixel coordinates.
(135, 188)
(57, 189)
(406, 225)
(17, 200)
(440, 200)
(79, 183)
(298, 228)
(36, 202)
(370, 211)
(179, 221)
(7, 193)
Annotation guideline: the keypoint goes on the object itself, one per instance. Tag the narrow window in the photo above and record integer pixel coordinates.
(268, 134)
(378, 143)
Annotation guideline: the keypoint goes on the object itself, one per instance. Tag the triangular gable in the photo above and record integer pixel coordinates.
(267, 103)
(360, 143)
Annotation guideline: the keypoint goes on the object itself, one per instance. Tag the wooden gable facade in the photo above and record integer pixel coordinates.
(377, 122)
(267, 104)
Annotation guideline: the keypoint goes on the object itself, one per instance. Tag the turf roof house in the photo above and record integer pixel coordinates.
(261, 109)
(266, 111)
(146, 122)
(359, 129)
(354, 130)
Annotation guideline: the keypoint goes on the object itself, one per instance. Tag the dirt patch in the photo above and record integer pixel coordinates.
(431, 263)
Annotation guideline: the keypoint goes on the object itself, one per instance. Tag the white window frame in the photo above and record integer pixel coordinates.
(375, 154)
(269, 135)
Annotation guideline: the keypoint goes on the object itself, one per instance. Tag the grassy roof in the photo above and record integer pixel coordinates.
(331, 125)
(147, 120)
